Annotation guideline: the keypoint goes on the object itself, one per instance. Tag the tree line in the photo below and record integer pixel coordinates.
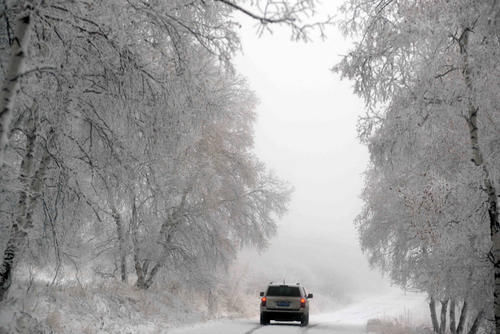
(429, 74)
(127, 137)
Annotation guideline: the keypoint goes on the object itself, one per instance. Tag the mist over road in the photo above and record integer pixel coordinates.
(318, 325)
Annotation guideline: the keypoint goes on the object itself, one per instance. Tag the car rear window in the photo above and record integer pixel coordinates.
(285, 291)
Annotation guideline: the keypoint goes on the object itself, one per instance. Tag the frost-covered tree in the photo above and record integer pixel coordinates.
(130, 137)
(420, 221)
(429, 77)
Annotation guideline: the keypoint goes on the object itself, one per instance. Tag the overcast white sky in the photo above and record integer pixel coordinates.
(306, 133)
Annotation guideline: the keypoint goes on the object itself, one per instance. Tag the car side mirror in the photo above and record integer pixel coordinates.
(309, 296)
(262, 293)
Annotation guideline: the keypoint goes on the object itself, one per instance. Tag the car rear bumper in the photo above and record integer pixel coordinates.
(284, 315)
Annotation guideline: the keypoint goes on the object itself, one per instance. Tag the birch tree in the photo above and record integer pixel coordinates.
(432, 63)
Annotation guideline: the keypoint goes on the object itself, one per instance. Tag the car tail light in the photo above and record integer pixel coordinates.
(302, 302)
(263, 301)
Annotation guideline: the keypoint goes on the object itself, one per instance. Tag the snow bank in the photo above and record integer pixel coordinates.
(110, 307)
(408, 307)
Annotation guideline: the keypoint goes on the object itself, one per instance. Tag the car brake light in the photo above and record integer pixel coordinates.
(302, 302)
(263, 300)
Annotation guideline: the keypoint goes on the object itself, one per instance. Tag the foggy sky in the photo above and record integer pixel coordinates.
(306, 133)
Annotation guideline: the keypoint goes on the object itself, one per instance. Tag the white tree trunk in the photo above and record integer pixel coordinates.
(121, 239)
(138, 265)
(38, 181)
(477, 158)
(121, 245)
(453, 320)
(18, 52)
(120, 233)
(432, 307)
(444, 311)
(18, 230)
(463, 317)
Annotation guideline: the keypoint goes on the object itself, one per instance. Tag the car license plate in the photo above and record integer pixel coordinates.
(284, 304)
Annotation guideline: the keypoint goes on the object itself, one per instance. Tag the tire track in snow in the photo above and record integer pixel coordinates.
(307, 328)
(304, 329)
(251, 331)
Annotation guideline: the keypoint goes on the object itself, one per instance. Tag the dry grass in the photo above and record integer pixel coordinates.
(109, 306)
(394, 326)
(87, 330)
(54, 322)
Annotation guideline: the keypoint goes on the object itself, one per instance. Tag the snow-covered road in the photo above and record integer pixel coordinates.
(317, 325)
(408, 308)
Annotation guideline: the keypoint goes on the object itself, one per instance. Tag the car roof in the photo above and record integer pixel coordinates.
(281, 284)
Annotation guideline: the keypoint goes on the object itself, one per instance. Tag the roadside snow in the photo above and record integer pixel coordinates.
(239, 326)
(408, 307)
(101, 308)
(114, 307)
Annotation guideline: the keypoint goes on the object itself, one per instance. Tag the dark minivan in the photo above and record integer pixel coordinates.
(285, 302)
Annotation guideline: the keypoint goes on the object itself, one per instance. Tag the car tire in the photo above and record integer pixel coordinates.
(304, 321)
(263, 319)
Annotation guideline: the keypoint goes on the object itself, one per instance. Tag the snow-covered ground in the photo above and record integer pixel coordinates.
(118, 308)
(408, 308)
(104, 308)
